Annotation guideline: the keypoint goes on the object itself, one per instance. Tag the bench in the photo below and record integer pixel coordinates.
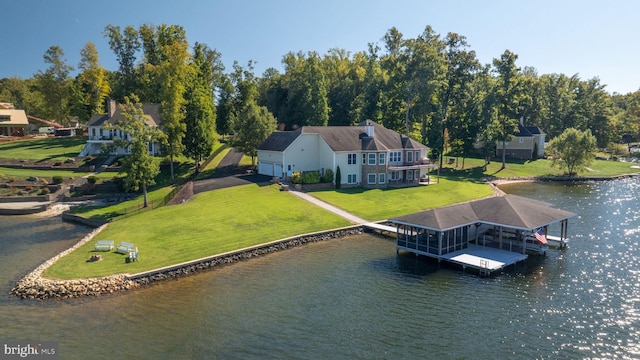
(103, 245)
(125, 248)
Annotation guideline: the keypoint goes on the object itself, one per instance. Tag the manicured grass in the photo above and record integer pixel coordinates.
(40, 149)
(125, 208)
(25, 173)
(381, 204)
(211, 223)
(542, 167)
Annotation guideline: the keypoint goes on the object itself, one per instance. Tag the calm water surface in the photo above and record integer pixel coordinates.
(354, 298)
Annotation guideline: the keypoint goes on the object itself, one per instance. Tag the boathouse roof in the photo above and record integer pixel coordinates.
(509, 210)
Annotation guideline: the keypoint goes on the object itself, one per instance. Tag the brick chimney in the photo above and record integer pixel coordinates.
(111, 108)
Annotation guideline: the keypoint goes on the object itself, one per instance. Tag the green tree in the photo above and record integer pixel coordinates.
(573, 150)
(93, 79)
(55, 85)
(307, 90)
(140, 167)
(125, 44)
(253, 126)
(508, 97)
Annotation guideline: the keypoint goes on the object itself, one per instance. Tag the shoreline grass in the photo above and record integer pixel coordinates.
(210, 223)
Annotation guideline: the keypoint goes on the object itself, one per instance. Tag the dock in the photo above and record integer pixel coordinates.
(484, 259)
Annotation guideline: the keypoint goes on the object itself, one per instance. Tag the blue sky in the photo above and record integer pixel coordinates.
(588, 37)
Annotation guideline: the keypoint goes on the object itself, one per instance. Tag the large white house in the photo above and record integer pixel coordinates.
(102, 132)
(369, 155)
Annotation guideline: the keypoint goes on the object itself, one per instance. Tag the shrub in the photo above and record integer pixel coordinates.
(338, 178)
(44, 191)
(44, 182)
(92, 179)
(311, 177)
(57, 179)
(57, 163)
(328, 176)
(296, 177)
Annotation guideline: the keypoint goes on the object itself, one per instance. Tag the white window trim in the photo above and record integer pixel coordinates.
(382, 178)
(369, 158)
(369, 175)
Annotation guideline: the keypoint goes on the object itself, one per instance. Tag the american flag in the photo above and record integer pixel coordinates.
(540, 237)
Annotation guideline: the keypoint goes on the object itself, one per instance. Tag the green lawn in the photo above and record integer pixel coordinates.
(381, 204)
(210, 223)
(41, 149)
(125, 208)
(473, 169)
(69, 174)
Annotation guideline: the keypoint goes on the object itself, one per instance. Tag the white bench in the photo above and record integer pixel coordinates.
(103, 245)
(125, 248)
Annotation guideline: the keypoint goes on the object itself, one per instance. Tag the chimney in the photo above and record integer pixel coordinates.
(111, 109)
(368, 128)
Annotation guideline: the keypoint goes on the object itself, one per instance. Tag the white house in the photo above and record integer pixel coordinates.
(368, 155)
(13, 122)
(102, 132)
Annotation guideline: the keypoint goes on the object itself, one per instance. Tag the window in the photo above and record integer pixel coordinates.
(352, 179)
(409, 175)
(521, 139)
(364, 158)
(395, 157)
(352, 159)
(93, 132)
(409, 156)
(371, 178)
(417, 156)
(372, 159)
(393, 176)
(382, 178)
(382, 157)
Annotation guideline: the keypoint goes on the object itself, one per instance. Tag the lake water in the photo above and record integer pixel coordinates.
(354, 298)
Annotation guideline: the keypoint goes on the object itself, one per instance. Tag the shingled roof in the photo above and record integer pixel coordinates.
(344, 138)
(510, 210)
(152, 112)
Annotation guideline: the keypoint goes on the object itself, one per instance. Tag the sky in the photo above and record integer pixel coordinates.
(588, 37)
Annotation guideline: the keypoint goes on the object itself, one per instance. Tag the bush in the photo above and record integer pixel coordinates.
(44, 191)
(92, 179)
(57, 179)
(328, 176)
(296, 177)
(311, 177)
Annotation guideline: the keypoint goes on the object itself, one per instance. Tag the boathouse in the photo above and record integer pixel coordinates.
(487, 234)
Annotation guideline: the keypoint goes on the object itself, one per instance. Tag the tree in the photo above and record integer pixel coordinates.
(124, 44)
(93, 79)
(253, 126)
(508, 96)
(55, 85)
(140, 166)
(573, 150)
(200, 117)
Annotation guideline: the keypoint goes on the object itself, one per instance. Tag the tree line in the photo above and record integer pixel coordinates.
(431, 87)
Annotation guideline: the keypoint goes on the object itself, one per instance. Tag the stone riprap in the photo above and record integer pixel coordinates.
(34, 286)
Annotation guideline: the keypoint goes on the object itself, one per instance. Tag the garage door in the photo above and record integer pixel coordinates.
(265, 169)
(277, 170)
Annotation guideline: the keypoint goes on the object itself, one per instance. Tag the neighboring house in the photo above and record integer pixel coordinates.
(527, 143)
(13, 122)
(102, 131)
(369, 155)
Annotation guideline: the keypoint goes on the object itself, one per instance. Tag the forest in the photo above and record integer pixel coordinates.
(431, 86)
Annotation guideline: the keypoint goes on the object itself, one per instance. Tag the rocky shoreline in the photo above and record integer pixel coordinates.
(34, 286)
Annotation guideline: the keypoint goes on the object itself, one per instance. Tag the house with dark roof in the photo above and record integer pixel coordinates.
(486, 234)
(368, 155)
(527, 143)
(102, 131)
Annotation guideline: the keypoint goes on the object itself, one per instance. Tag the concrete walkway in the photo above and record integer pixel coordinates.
(350, 217)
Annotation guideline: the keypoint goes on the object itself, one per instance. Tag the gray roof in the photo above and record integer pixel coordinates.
(345, 138)
(510, 210)
(526, 131)
(152, 112)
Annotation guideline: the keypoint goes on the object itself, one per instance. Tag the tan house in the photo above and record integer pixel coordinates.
(368, 155)
(102, 132)
(527, 143)
(13, 122)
